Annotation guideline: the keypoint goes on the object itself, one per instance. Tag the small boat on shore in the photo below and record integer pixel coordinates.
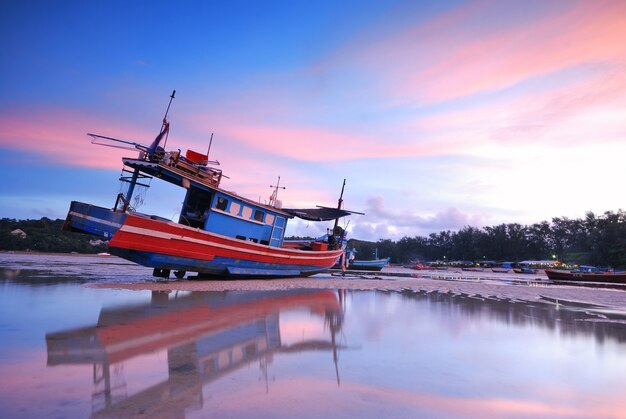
(368, 265)
(594, 276)
(375, 264)
(500, 270)
(218, 232)
(525, 271)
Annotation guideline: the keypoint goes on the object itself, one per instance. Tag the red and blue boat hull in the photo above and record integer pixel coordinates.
(165, 245)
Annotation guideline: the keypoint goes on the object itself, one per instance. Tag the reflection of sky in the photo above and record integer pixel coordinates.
(296, 326)
(399, 356)
(434, 348)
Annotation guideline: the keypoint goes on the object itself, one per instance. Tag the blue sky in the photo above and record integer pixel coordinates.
(438, 114)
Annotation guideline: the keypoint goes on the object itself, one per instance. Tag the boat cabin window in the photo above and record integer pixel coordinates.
(234, 208)
(221, 204)
(247, 212)
(258, 215)
(269, 219)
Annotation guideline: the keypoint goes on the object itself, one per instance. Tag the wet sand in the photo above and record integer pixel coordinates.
(518, 287)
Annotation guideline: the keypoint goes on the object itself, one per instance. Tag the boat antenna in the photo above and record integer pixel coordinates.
(274, 195)
(209, 150)
(165, 116)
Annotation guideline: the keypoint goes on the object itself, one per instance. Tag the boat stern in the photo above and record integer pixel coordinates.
(91, 219)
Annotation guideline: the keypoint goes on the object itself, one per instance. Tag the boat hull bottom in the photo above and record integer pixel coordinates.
(218, 267)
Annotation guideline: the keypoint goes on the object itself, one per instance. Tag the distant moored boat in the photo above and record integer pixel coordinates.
(560, 275)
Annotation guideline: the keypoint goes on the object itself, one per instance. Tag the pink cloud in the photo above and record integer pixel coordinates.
(317, 144)
(588, 33)
(486, 46)
(59, 137)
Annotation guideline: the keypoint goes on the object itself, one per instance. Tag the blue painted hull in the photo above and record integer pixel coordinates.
(368, 265)
(91, 219)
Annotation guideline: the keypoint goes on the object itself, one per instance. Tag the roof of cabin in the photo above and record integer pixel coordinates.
(317, 214)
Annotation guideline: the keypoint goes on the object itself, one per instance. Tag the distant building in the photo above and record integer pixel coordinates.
(19, 233)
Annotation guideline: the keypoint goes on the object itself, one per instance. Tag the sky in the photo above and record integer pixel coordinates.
(439, 114)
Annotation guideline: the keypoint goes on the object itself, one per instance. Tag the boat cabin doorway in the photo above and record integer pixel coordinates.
(196, 207)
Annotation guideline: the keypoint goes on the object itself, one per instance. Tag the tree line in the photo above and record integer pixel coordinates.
(595, 240)
(45, 235)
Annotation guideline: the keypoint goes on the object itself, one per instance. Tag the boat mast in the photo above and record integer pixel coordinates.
(135, 176)
(274, 196)
(339, 204)
(163, 127)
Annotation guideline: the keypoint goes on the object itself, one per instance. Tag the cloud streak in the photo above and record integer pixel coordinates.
(482, 47)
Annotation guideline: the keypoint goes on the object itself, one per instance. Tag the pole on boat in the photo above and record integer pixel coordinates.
(342, 259)
(133, 180)
(274, 195)
(209, 150)
(165, 116)
(340, 203)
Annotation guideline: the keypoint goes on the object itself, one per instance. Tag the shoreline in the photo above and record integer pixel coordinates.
(513, 287)
(530, 292)
(37, 253)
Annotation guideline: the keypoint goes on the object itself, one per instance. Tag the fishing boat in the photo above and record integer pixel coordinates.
(593, 276)
(375, 264)
(525, 270)
(218, 233)
(500, 270)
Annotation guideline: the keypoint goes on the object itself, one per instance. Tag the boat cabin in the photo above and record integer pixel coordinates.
(210, 208)
(232, 216)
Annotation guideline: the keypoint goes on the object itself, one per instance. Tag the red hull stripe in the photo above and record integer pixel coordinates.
(169, 238)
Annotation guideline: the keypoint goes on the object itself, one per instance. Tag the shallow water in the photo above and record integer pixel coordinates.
(73, 351)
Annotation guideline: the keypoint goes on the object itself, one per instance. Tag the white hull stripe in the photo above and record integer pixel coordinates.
(168, 236)
(95, 220)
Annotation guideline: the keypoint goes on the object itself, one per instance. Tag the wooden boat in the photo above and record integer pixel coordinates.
(368, 265)
(598, 276)
(525, 271)
(500, 270)
(375, 264)
(219, 233)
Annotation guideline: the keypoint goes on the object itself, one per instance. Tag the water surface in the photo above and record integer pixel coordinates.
(74, 351)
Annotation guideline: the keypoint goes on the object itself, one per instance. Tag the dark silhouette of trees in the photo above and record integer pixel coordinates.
(597, 240)
(45, 235)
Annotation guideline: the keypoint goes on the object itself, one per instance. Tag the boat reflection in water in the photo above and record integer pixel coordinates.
(205, 335)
